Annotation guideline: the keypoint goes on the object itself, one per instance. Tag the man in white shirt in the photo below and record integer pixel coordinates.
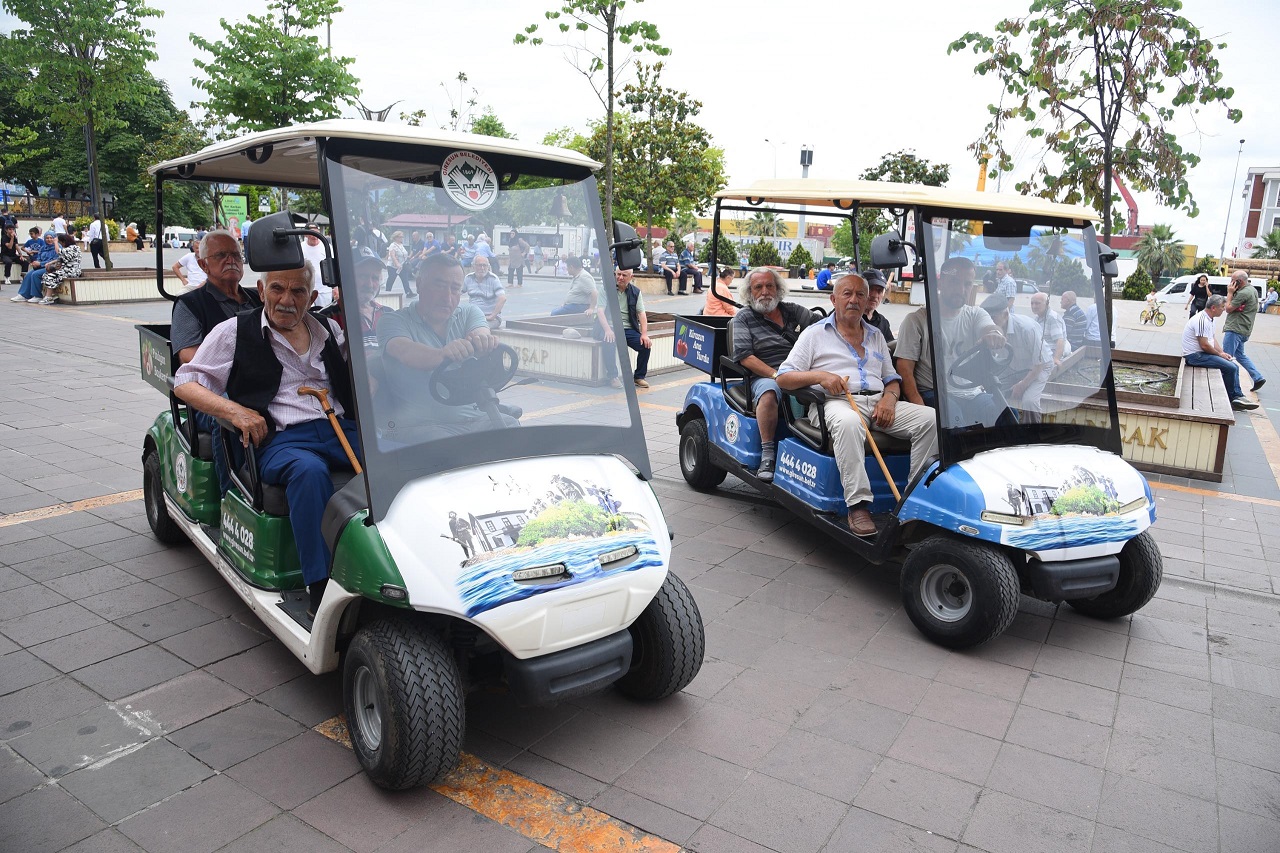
(188, 268)
(485, 291)
(844, 354)
(1199, 349)
(312, 255)
(59, 225)
(1031, 355)
(1006, 285)
(95, 238)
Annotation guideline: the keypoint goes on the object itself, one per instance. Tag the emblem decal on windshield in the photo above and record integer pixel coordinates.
(469, 180)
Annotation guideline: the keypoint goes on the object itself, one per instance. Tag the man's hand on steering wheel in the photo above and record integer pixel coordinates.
(458, 350)
(993, 338)
(482, 342)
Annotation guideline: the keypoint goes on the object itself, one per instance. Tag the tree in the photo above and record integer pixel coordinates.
(763, 254)
(660, 164)
(684, 222)
(186, 203)
(1270, 247)
(1099, 81)
(726, 252)
(272, 70)
(901, 167)
(594, 21)
(85, 65)
(1137, 285)
(764, 223)
(1209, 265)
(1159, 251)
(800, 257)
(488, 124)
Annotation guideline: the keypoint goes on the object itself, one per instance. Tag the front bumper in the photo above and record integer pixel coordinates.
(573, 672)
(1067, 579)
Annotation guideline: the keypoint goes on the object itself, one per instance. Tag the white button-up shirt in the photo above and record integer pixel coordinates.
(211, 367)
(822, 347)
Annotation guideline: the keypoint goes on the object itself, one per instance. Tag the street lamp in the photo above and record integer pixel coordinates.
(1230, 199)
(774, 146)
(806, 160)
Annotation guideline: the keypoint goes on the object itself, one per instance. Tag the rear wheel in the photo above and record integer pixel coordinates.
(695, 460)
(957, 593)
(1141, 570)
(1160, 318)
(162, 525)
(667, 644)
(404, 704)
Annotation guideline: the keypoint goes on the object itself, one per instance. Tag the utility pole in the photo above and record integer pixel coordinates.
(806, 160)
(1231, 198)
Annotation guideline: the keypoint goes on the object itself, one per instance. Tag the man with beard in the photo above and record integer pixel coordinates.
(962, 326)
(763, 334)
(844, 355)
(259, 360)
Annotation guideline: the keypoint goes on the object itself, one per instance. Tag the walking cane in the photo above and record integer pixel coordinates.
(323, 396)
(874, 449)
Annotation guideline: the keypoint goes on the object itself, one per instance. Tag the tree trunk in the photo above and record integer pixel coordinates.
(611, 20)
(95, 190)
(648, 239)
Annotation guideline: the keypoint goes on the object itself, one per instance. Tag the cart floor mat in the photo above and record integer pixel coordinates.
(295, 605)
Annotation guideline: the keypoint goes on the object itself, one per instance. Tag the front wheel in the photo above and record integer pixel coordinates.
(695, 459)
(161, 523)
(1160, 318)
(1141, 570)
(957, 593)
(404, 703)
(667, 644)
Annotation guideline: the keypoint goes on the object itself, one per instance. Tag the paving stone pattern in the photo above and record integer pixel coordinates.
(142, 708)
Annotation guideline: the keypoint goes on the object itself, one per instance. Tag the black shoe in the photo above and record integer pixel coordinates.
(1260, 383)
(765, 474)
(316, 591)
(669, 293)
(682, 293)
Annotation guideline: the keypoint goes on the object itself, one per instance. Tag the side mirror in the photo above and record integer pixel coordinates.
(888, 251)
(626, 246)
(1107, 257)
(273, 244)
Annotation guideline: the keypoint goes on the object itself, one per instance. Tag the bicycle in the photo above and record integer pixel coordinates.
(1153, 314)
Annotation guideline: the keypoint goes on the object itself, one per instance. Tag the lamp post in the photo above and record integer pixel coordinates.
(806, 160)
(1231, 198)
(775, 156)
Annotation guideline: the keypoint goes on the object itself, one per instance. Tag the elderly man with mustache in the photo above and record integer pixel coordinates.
(259, 360)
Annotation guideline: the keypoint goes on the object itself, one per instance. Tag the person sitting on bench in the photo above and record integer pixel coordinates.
(844, 354)
(259, 360)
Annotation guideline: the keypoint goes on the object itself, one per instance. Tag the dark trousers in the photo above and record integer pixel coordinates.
(642, 353)
(221, 463)
(669, 276)
(10, 260)
(697, 277)
(299, 458)
(95, 249)
(515, 270)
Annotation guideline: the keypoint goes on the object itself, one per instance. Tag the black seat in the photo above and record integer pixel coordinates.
(274, 501)
(737, 393)
(818, 436)
(203, 447)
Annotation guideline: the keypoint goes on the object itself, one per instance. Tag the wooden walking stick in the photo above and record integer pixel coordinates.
(874, 449)
(323, 396)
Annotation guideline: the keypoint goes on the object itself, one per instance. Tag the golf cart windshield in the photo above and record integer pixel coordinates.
(1004, 372)
(476, 369)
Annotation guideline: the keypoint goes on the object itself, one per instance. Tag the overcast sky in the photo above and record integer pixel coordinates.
(853, 80)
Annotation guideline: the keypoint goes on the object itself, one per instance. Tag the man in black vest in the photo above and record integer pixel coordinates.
(635, 323)
(259, 360)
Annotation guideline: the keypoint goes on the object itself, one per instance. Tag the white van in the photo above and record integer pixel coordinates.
(1178, 291)
(178, 236)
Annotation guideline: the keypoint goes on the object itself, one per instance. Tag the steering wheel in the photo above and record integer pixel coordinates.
(475, 380)
(986, 368)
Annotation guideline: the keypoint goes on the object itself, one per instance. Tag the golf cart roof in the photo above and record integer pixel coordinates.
(842, 194)
(291, 159)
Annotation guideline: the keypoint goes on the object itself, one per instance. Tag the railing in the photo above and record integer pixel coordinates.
(41, 207)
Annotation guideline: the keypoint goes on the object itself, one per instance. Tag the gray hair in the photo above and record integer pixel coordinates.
(307, 273)
(744, 287)
(221, 232)
(1215, 301)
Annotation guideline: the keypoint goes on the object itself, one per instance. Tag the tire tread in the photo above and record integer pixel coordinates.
(668, 643)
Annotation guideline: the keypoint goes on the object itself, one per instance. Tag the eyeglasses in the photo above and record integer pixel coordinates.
(223, 257)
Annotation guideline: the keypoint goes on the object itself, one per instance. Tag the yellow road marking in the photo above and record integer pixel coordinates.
(1210, 493)
(41, 513)
(539, 813)
(661, 408)
(1269, 440)
(582, 404)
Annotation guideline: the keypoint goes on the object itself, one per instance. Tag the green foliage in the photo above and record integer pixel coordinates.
(1270, 247)
(1208, 265)
(763, 254)
(660, 151)
(488, 124)
(1018, 269)
(902, 167)
(800, 257)
(1069, 275)
(1084, 500)
(726, 252)
(571, 518)
(1098, 83)
(1160, 252)
(591, 32)
(272, 70)
(113, 227)
(1137, 285)
(764, 223)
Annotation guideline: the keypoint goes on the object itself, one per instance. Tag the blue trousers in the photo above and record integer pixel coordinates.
(32, 284)
(209, 424)
(1230, 370)
(1233, 345)
(570, 308)
(299, 458)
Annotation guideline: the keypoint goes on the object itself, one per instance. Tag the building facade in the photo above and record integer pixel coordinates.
(1261, 209)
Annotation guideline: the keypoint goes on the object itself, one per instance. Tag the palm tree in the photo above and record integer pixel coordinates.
(765, 223)
(685, 222)
(1159, 251)
(1270, 247)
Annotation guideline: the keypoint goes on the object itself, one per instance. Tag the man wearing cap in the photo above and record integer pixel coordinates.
(583, 293)
(248, 371)
(877, 284)
(844, 355)
(485, 291)
(1031, 361)
(823, 282)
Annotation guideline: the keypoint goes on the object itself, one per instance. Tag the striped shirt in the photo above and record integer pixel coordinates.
(211, 367)
(754, 334)
(822, 347)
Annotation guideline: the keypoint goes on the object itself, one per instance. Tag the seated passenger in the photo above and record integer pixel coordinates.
(963, 325)
(1073, 319)
(248, 371)
(1052, 329)
(763, 334)
(1199, 349)
(485, 291)
(582, 295)
(67, 265)
(635, 325)
(33, 282)
(1032, 357)
(419, 338)
(877, 283)
(723, 285)
(845, 354)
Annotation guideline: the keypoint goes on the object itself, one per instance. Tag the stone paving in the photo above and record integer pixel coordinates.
(142, 708)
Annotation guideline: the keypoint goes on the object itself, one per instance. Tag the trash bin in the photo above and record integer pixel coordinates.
(793, 272)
